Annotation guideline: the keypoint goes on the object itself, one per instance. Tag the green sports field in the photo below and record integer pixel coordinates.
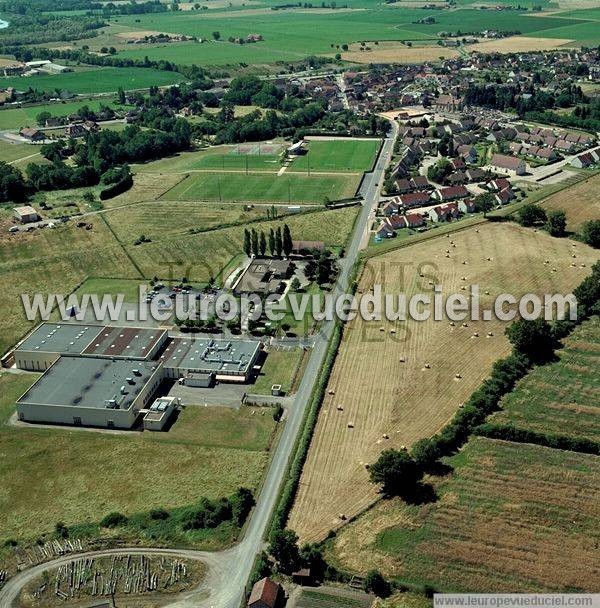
(254, 187)
(339, 156)
(230, 158)
(98, 80)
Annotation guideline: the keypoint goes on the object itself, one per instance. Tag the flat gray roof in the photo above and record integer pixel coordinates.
(90, 382)
(97, 340)
(67, 338)
(209, 355)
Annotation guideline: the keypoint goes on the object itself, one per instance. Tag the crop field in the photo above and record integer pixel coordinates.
(238, 186)
(519, 44)
(15, 118)
(396, 52)
(511, 517)
(200, 256)
(99, 80)
(581, 202)
(208, 452)
(564, 397)
(406, 400)
(315, 31)
(343, 155)
(333, 598)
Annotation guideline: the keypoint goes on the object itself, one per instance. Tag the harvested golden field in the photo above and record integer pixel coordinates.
(395, 52)
(381, 395)
(511, 517)
(581, 202)
(518, 44)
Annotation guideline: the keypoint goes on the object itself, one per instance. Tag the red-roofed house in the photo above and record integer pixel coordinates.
(508, 164)
(265, 594)
(444, 213)
(451, 193)
(414, 199)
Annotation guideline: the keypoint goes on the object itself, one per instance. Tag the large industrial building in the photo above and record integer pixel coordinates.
(91, 391)
(47, 342)
(106, 376)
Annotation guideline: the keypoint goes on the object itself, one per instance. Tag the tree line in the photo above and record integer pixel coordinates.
(278, 241)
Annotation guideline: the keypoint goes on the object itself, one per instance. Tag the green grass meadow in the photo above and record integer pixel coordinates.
(562, 397)
(81, 476)
(95, 80)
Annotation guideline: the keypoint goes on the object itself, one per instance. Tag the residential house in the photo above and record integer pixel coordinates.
(499, 184)
(466, 206)
(451, 193)
(444, 213)
(504, 196)
(414, 199)
(585, 160)
(508, 164)
(468, 153)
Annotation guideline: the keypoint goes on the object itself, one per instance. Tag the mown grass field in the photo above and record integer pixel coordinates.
(160, 219)
(15, 118)
(80, 476)
(98, 80)
(238, 186)
(354, 156)
(510, 518)
(200, 256)
(564, 397)
(12, 153)
(406, 401)
(52, 261)
(216, 158)
(279, 368)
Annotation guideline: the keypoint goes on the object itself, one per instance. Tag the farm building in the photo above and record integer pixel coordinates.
(47, 342)
(228, 360)
(26, 214)
(508, 164)
(31, 134)
(91, 391)
(266, 594)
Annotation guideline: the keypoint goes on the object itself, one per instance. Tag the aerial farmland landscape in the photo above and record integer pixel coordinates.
(301, 303)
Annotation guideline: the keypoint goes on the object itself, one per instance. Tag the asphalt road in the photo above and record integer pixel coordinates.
(228, 571)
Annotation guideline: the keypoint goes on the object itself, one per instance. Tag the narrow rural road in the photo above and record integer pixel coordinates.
(228, 571)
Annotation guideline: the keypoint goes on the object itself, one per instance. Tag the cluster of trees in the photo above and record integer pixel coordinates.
(278, 242)
(510, 97)
(99, 153)
(585, 117)
(555, 221)
(440, 171)
(131, 8)
(35, 28)
(321, 268)
(210, 513)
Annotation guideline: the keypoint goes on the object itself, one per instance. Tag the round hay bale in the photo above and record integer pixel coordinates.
(402, 360)
(465, 324)
(351, 425)
(457, 376)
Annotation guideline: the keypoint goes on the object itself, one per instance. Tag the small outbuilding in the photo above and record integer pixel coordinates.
(26, 214)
